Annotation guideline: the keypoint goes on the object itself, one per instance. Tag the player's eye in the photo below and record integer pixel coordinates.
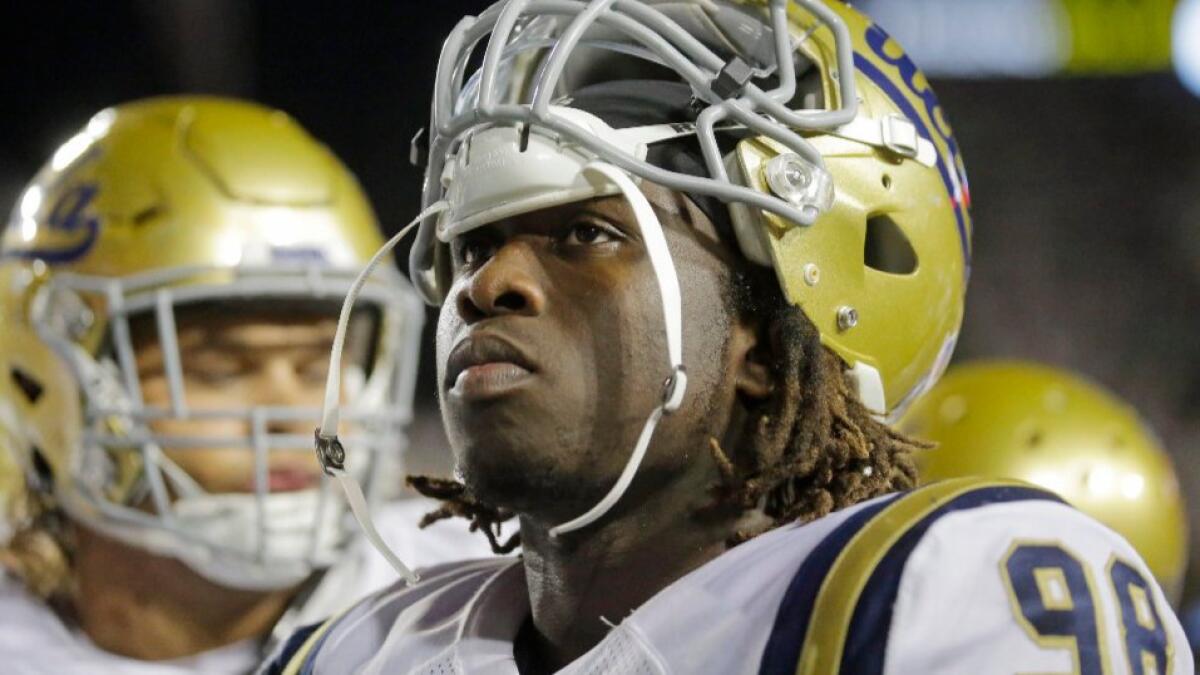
(471, 250)
(213, 368)
(313, 372)
(589, 232)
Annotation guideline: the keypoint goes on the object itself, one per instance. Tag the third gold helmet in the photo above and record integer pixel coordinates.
(1049, 427)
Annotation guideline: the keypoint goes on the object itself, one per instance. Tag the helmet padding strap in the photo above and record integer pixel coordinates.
(668, 288)
(327, 433)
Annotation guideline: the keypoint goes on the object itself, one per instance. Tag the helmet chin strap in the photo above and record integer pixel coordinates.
(329, 449)
(330, 452)
(668, 289)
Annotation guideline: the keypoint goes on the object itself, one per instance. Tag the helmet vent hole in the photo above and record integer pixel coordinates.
(30, 387)
(887, 182)
(42, 473)
(146, 215)
(886, 248)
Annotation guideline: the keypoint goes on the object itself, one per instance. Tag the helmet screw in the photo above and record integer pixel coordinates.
(847, 317)
(812, 274)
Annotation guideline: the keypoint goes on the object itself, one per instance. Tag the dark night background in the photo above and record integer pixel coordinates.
(1086, 191)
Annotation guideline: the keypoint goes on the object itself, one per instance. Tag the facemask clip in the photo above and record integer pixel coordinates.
(330, 453)
(673, 389)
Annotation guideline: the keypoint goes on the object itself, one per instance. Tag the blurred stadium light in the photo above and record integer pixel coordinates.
(1038, 38)
(1185, 44)
(978, 38)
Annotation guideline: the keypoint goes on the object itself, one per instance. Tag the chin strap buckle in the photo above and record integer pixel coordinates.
(330, 453)
(673, 389)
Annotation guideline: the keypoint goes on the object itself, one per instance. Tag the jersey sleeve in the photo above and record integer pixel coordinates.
(974, 576)
(1029, 586)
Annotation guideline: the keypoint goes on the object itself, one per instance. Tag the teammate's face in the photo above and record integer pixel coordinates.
(552, 351)
(238, 361)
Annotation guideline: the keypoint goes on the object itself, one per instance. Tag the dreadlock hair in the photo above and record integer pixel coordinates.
(458, 501)
(40, 551)
(814, 447)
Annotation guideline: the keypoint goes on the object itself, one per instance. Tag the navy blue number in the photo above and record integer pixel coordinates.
(1051, 590)
(1146, 642)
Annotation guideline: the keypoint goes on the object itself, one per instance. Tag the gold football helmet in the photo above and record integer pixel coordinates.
(843, 176)
(1020, 420)
(851, 187)
(154, 206)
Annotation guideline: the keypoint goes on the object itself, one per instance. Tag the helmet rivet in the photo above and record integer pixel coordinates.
(847, 317)
(812, 274)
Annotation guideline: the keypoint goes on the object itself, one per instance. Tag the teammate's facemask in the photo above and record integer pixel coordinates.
(154, 208)
(844, 176)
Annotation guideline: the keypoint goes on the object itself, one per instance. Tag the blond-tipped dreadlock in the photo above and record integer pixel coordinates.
(39, 552)
(815, 448)
(456, 501)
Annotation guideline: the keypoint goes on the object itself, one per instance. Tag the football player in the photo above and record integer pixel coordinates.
(1046, 426)
(169, 287)
(690, 255)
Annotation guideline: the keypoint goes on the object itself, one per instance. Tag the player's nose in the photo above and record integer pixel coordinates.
(507, 284)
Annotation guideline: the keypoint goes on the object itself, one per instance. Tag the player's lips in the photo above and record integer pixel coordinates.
(484, 366)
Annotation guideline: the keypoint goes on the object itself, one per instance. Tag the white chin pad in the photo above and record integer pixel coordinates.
(505, 171)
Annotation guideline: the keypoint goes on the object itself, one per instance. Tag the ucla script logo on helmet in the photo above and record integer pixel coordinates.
(889, 68)
(65, 228)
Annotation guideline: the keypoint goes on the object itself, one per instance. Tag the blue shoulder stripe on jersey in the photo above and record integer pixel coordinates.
(791, 622)
(289, 649)
(310, 661)
(866, 643)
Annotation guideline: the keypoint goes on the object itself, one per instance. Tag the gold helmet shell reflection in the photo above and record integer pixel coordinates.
(1021, 420)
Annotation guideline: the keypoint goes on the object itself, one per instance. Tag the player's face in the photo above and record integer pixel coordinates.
(552, 351)
(239, 361)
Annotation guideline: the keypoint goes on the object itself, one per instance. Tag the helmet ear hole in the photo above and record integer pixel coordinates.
(886, 248)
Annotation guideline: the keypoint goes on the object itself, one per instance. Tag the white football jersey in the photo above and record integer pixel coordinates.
(35, 641)
(965, 576)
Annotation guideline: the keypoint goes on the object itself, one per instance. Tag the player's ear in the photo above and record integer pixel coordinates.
(753, 351)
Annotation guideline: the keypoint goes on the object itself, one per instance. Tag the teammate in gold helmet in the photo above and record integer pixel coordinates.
(169, 286)
(1014, 419)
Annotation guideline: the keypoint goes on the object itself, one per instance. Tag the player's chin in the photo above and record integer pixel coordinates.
(530, 482)
(522, 465)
